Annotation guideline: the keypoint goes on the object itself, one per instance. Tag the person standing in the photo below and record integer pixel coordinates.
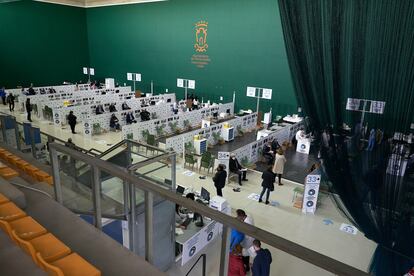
(3, 95)
(72, 121)
(247, 242)
(268, 183)
(235, 167)
(371, 140)
(236, 267)
(219, 179)
(262, 261)
(29, 110)
(279, 165)
(10, 100)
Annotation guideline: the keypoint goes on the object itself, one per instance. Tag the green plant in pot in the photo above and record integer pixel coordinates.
(187, 125)
(160, 130)
(189, 147)
(153, 115)
(174, 127)
(240, 130)
(145, 134)
(216, 136)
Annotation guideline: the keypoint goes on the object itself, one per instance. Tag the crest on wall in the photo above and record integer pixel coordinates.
(201, 28)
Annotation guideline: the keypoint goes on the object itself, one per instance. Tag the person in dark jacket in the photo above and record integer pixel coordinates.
(10, 101)
(112, 108)
(29, 110)
(130, 118)
(268, 153)
(3, 95)
(114, 123)
(262, 261)
(72, 121)
(236, 168)
(220, 179)
(268, 183)
(99, 109)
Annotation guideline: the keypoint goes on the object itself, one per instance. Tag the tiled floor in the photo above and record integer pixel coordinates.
(319, 232)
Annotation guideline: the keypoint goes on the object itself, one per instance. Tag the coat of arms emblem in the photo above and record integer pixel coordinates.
(201, 37)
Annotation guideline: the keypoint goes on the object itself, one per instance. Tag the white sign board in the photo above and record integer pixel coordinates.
(92, 71)
(303, 146)
(85, 70)
(412, 126)
(396, 165)
(267, 94)
(348, 229)
(180, 83)
(191, 84)
(205, 123)
(199, 241)
(138, 77)
(310, 196)
(129, 76)
(353, 104)
(377, 107)
(251, 91)
(223, 155)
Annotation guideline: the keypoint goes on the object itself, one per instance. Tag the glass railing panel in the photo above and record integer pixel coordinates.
(158, 171)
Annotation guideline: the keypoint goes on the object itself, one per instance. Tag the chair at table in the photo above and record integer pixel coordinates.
(206, 161)
(189, 158)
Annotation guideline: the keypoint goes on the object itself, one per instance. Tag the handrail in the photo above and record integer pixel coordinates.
(204, 265)
(292, 248)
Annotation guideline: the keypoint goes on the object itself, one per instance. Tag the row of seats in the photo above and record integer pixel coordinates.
(47, 251)
(24, 166)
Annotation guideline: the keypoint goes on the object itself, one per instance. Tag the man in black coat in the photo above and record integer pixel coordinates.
(72, 121)
(220, 179)
(262, 261)
(29, 110)
(236, 168)
(268, 183)
(10, 100)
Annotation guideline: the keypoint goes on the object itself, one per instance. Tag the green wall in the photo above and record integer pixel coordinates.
(41, 43)
(245, 45)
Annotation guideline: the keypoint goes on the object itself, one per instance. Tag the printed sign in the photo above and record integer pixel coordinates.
(267, 94)
(92, 71)
(396, 165)
(303, 146)
(348, 229)
(191, 84)
(310, 196)
(199, 241)
(129, 76)
(180, 83)
(138, 77)
(223, 155)
(251, 91)
(377, 107)
(353, 104)
(85, 70)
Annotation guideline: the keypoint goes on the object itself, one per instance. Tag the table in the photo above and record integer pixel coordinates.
(292, 120)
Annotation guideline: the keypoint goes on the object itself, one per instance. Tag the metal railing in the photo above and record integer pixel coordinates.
(203, 267)
(151, 189)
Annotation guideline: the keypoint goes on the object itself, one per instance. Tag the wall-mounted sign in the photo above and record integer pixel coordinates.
(201, 59)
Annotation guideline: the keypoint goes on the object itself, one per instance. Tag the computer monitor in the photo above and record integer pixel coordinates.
(205, 194)
(168, 100)
(228, 111)
(180, 189)
(215, 114)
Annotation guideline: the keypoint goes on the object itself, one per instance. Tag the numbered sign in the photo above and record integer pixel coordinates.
(353, 104)
(191, 84)
(377, 107)
(310, 196)
(251, 92)
(129, 76)
(223, 155)
(267, 94)
(180, 83)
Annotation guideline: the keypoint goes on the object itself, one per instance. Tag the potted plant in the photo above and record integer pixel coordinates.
(174, 127)
(221, 140)
(145, 134)
(187, 125)
(247, 164)
(240, 131)
(153, 115)
(160, 130)
(216, 137)
(189, 147)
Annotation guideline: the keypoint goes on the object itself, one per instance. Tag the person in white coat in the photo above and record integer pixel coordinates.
(279, 165)
(247, 241)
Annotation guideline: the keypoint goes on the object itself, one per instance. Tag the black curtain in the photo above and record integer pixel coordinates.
(361, 49)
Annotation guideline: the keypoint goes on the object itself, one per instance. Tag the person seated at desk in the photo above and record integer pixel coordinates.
(125, 106)
(175, 108)
(31, 90)
(130, 118)
(112, 108)
(99, 109)
(182, 215)
(269, 153)
(145, 115)
(236, 168)
(114, 123)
